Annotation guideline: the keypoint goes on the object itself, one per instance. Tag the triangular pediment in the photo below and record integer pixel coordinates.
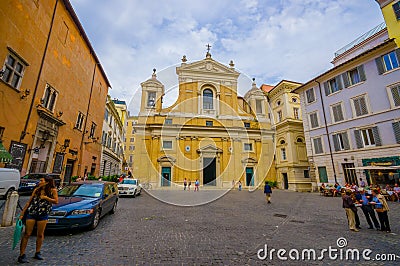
(249, 160)
(206, 66)
(166, 159)
(209, 148)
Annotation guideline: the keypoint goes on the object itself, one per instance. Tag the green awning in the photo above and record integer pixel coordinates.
(5, 156)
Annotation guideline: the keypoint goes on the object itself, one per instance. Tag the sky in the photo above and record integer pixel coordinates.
(268, 40)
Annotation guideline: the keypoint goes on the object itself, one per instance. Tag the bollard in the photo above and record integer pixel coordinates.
(9, 209)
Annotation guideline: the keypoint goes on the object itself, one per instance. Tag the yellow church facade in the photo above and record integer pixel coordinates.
(210, 134)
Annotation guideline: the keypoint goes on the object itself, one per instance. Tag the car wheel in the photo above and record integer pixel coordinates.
(96, 220)
(140, 191)
(134, 193)
(114, 208)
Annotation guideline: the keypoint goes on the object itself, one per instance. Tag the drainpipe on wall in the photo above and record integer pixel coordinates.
(86, 118)
(23, 133)
(326, 130)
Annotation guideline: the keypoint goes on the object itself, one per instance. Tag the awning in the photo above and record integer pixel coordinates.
(374, 167)
(5, 156)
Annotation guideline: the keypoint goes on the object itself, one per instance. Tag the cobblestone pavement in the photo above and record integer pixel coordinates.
(228, 231)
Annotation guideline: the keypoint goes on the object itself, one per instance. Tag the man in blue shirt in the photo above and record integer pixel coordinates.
(267, 191)
(369, 213)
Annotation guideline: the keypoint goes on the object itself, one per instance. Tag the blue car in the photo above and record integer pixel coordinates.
(82, 204)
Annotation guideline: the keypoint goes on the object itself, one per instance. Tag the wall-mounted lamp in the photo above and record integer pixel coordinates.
(25, 93)
(2, 71)
(65, 145)
(59, 113)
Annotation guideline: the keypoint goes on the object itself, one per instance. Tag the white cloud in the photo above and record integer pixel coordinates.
(270, 40)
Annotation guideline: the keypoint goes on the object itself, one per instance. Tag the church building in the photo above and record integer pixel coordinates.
(210, 134)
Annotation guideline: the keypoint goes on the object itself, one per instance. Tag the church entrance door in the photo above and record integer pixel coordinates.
(209, 171)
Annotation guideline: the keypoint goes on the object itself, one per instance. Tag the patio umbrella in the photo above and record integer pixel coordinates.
(5, 156)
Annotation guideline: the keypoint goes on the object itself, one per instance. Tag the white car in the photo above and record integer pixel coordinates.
(129, 187)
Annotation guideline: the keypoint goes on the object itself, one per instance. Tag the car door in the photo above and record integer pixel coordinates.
(107, 199)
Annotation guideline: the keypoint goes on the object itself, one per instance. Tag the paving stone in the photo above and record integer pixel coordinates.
(228, 231)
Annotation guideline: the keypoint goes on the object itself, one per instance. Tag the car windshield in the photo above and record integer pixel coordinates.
(129, 182)
(85, 190)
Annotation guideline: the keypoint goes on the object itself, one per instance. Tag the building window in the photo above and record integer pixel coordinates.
(310, 95)
(246, 125)
(367, 137)
(132, 139)
(259, 108)
(294, 99)
(167, 144)
(151, 99)
(332, 85)
(105, 138)
(306, 174)
(106, 115)
(341, 141)
(1, 133)
(168, 121)
(354, 76)
(49, 97)
(395, 91)
(248, 146)
(133, 131)
(279, 116)
(79, 121)
(209, 123)
(283, 153)
(396, 9)
(92, 130)
(14, 69)
(318, 146)
(388, 61)
(296, 113)
(396, 130)
(337, 112)
(131, 158)
(314, 120)
(131, 147)
(360, 106)
(208, 101)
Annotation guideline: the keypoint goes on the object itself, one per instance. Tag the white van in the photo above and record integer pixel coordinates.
(9, 181)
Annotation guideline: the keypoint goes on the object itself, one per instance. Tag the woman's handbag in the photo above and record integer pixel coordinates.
(19, 226)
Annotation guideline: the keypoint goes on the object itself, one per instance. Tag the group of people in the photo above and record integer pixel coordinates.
(369, 204)
(187, 184)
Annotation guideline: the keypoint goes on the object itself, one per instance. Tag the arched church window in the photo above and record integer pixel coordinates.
(208, 102)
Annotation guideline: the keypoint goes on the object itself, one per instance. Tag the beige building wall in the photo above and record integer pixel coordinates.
(291, 163)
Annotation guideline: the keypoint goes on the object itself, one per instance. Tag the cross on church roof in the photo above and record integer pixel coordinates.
(208, 48)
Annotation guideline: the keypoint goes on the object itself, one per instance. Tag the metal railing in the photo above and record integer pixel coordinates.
(361, 39)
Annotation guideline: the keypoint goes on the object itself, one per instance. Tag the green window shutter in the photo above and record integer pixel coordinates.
(379, 65)
(398, 55)
(336, 142)
(339, 82)
(346, 141)
(396, 130)
(346, 80)
(396, 95)
(361, 72)
(377, 138)
(359, 142)
(326, 86)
